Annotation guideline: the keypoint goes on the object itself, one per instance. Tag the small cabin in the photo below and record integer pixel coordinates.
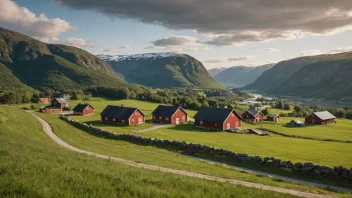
(50, 109)
(43, 100)
(59, 103)
(83, 109)
(323, 117)
(169, 114)
(121, 115)
(273, 117)
(217, 118)
(253, 115)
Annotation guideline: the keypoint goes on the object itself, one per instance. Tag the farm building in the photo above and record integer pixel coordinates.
(296, 123)
(253, 115)
(169, 114)
(323, 117)
(59, 103)
(50, 109)
(83, 109)
(42, 100)
(273, 117)
(217, 118)
(122, 115)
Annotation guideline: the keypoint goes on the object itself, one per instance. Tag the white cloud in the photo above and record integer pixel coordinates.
(339, 50)
(215, 60)
(116, 49)
(79, 42)
(23, 20)
(175, 41)
(272, 50)
(310, 52)
(240, 58)
(177, 49)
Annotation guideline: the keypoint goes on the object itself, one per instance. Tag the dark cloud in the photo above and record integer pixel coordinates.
(240, 58)
(237, 21)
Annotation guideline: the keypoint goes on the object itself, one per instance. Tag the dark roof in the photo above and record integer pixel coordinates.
(254, 112)
(297, 121)
(214, 114)
(80, 107)
(118, 112)
(273, 115)
(60, 100)
(166, 111)
(324, 115)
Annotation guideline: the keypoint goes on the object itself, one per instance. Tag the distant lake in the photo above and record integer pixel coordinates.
(305, 101)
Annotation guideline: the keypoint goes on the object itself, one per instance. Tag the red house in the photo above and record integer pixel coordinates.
(169, 114)
(122, 115)
(59, 103)
(217, 118)
(83, 109)
(42, 100)
(253, 115)
(273, 117)
(323, 117)
(50, 109)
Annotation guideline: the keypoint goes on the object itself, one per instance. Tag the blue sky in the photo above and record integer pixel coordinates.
(112, 34)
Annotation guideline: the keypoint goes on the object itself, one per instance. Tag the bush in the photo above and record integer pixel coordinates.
(67, 109)
(33, 107)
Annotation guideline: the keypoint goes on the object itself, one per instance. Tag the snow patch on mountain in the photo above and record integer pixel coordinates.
(136, 56)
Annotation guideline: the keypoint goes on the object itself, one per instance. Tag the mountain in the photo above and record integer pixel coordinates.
(28, 62)
(162, 70)
(215, 71)
(324, 76)
(239, 76)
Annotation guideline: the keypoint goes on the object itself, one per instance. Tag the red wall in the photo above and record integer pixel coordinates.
(232, 119)
(133, 120)
(51, 111)
(309, 120)
(86, 111)
(178, 114)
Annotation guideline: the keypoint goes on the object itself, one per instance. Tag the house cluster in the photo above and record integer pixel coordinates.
(56, 106)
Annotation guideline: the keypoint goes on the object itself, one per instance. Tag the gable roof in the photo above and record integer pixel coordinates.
(166, 111)
(273, 115)
(254, 112)
(80, 107)
(214, 114)
(119, 112)
(60, 100)
(324, 115)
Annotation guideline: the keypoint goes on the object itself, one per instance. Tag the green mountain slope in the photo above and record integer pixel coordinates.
(324, 76)
(239, 76)
(162, 70)
(39, 65)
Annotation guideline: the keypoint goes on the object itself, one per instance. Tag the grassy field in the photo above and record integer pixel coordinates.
(294, 149)
(32, 165)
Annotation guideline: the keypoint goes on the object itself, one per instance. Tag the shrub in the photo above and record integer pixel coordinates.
(67, 109)
(32, 107)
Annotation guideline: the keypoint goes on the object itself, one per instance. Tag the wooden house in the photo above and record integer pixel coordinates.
(273, 117)
(169, 114)
(59, 103)
(43, 100)
(217, 118)
(83, 109)
(122, 115)
(253, 115)
(323, 117)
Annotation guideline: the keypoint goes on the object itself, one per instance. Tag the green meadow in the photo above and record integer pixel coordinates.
(294, 149)
(32, 165)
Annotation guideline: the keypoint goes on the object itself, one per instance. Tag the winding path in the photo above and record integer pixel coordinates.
(49, 131)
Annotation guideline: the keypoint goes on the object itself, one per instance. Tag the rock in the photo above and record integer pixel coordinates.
(298, 165)
(308, 164)
(316, 171)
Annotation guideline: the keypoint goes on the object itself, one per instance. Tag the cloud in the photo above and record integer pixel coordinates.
(174, 41)
(232, 22)
(116, 49)
(177, 49)
(240, 58)
(124, 47)
(272, 50)
(339, 50)
(215, 60)
(23, 20)
(72, 41)
(331, 51)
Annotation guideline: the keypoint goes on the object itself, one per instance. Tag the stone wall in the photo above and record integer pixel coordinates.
(306, 167)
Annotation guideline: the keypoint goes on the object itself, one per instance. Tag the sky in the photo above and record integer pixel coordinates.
(220, 33)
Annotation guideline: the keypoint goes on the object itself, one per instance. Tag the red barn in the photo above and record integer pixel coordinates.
(59, 103)
(273, 117)
(169, 114)
(253, 115)
(83, 109)
(122, 115)
(217, 118)
(323, 117)
(42, 100)
(50, 109)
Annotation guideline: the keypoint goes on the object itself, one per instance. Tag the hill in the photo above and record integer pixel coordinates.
(323, 76)
(29, 62)
(162, 70)
(240, 75)
(213, 72)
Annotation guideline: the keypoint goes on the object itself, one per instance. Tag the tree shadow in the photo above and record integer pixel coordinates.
(189, 127)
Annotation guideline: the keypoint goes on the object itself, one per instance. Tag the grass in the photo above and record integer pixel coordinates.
(294, 149)
(32, 165)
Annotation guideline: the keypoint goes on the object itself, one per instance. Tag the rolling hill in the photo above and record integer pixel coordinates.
(26, 62)
(213, 72)
(323, 76)
(239, 76)
(162, 70)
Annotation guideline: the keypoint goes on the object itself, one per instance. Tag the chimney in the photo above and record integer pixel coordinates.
(121, 105)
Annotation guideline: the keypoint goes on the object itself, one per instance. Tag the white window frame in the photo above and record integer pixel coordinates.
(123, 121)
(160, 118)
(201, 122)
(140, 120)
(114, 119)
(106, 118)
